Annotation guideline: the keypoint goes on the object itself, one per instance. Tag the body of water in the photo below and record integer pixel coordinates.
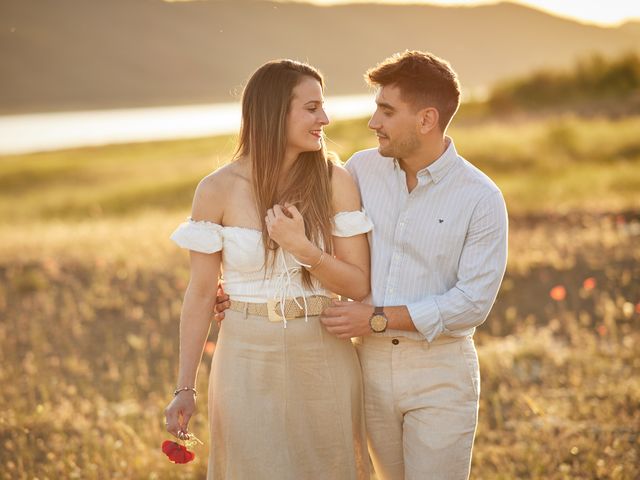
(54, 131)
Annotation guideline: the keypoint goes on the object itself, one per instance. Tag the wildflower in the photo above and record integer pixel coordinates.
(589, 283)
(558, 293)
(602, 330)
(177, 453)
(180, 453)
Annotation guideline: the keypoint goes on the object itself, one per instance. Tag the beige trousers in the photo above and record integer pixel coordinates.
(421, 406)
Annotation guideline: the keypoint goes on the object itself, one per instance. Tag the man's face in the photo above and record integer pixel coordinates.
(395, 123)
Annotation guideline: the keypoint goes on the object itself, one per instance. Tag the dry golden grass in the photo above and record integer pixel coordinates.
(89, 345)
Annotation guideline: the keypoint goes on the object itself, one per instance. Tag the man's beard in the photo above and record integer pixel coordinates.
(400, 149)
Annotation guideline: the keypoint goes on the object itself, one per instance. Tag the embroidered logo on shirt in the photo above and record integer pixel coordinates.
(440, 220)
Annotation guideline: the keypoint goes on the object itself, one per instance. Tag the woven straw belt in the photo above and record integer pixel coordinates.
(315, 305)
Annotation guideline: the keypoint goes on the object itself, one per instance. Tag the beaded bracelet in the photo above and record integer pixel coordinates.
(184, 389)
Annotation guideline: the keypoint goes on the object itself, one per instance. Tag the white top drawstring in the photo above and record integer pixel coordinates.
(284, 285)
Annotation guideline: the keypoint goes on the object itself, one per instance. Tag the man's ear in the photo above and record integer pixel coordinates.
(428, 119)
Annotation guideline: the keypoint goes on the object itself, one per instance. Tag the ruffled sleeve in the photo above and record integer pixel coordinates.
(200, 236)
(348, 224)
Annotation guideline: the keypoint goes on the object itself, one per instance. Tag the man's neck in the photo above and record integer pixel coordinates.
(422, 158)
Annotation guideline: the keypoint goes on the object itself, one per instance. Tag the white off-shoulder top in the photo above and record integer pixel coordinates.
(243, 261)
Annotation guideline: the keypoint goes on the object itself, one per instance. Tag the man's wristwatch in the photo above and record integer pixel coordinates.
(378, 320)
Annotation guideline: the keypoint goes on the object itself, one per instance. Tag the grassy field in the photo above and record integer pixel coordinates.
(562, 165)
(91, 288)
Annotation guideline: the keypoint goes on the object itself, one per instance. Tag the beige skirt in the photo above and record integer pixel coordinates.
(285, 403)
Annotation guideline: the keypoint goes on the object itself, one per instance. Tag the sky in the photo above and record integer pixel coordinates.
(600, 12)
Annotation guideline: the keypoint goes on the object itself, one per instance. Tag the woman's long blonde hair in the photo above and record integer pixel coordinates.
(266, 100)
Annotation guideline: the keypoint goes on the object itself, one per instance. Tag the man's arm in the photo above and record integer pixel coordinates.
(351, 319)
(466, 305)
(482, 264)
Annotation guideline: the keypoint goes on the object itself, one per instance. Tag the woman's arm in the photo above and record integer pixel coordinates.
(199, 299)
(347, 271)
(195, 317)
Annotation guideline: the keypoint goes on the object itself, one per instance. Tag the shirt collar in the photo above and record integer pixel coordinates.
(438, 169)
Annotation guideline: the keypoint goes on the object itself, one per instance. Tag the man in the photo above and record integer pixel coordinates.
(438, 255)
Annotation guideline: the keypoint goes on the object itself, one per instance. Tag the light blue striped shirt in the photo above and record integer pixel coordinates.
(441, 250)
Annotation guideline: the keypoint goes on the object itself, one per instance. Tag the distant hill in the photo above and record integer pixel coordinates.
(86, 54)
(594, 86)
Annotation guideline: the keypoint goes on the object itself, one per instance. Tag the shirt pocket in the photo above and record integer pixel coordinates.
(439, 242)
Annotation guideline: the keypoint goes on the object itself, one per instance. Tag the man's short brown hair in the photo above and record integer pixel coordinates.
(424, 80)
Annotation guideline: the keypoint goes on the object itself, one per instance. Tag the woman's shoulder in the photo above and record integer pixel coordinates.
(341, 178)
(222, 178)
(213, 191)
(346, 196)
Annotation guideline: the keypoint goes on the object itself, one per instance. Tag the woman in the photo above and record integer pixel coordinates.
(285, 396)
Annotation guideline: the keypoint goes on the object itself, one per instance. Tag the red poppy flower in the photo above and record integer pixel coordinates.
(589, 283)
(177, 453)
(558, 293)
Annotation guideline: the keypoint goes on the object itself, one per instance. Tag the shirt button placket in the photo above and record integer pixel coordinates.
(394, 271)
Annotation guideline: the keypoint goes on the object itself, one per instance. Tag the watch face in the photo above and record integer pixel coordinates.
(378, 323)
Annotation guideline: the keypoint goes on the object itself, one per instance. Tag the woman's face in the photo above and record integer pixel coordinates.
(306, 117)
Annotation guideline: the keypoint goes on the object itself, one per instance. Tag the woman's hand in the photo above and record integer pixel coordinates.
(179, 412)
(286, 227)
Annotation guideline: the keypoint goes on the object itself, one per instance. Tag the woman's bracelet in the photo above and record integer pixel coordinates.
(311, 267)
(184, 389)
